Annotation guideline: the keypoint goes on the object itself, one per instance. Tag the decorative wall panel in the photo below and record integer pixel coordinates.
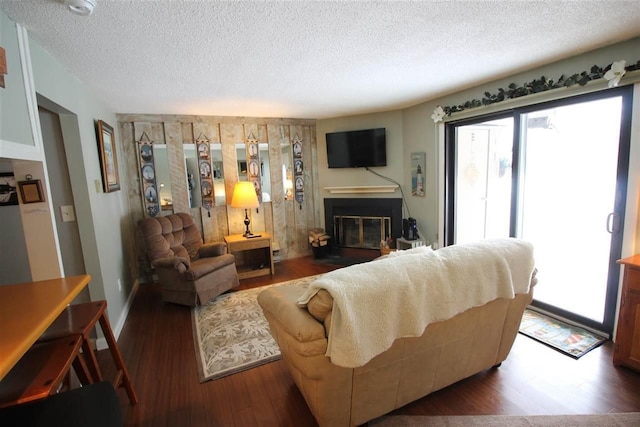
(288, 220)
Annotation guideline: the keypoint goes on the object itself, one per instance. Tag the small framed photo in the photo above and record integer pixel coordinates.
(8, 189)
(31, 191)
(108, 159)
(297, 149)
(253, 150)
(418, 168)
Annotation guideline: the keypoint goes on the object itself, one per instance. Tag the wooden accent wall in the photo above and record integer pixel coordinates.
(286, 220)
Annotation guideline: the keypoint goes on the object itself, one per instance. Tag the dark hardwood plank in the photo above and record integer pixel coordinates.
(157, 345)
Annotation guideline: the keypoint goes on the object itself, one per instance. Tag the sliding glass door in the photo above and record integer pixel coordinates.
(554, 175)
(483, 180)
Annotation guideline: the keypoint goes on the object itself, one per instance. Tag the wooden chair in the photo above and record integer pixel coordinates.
(81, 319)
(40, 372)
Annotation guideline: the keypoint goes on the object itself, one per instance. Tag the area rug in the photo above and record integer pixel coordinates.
(231, 333)
(630, 419)
(568, 339)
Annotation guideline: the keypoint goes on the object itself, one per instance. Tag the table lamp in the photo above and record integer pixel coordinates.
(244, 196)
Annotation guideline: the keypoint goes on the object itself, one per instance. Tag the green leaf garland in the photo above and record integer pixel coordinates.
(536, 86)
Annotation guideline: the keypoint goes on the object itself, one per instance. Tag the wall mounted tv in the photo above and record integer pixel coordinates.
(358, 148)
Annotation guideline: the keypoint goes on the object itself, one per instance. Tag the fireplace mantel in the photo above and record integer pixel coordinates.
(362, 189)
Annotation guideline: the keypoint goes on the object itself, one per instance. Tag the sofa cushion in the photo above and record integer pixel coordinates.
(320, 305)
(308, 333)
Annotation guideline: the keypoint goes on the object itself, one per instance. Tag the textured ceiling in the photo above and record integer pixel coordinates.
(310, 59)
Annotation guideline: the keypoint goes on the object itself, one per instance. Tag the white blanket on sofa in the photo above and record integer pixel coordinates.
(398, 296)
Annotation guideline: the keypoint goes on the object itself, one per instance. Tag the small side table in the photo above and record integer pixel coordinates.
(402, 243)
(254, 256)
(627, 347)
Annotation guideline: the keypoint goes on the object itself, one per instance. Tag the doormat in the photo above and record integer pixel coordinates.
(568, 339)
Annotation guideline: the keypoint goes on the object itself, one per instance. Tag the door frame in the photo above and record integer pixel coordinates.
(617, 238)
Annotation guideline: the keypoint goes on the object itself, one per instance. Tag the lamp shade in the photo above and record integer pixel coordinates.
(244, 196)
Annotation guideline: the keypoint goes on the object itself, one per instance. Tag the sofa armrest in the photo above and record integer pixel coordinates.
(285, 317)
(178, 263)
(209, 250)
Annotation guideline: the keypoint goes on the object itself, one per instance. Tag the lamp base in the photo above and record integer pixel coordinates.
(247, 221)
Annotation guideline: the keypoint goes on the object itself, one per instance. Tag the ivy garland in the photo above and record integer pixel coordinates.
(535, 86)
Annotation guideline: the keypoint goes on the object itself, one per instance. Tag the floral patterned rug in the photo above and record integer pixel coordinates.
(568, 339)
(231, 333)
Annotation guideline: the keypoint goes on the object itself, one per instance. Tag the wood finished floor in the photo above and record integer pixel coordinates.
(157, 345)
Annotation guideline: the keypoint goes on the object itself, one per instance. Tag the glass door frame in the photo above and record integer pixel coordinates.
(450, 160)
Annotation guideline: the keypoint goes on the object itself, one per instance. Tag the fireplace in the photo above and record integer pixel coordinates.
(362, 222)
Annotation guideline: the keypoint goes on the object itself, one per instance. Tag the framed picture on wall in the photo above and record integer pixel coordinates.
(108, 158)
(31, 191)
(418, 165)
(8, 194)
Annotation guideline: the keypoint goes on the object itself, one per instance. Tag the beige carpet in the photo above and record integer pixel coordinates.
(231, 333)
(631, 419)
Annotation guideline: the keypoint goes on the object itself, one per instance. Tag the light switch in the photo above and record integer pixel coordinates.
(67, 214)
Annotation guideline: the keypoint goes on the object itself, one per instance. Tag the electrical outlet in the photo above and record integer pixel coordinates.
(119, 286)
(67, 213)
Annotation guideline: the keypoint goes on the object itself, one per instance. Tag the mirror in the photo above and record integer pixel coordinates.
(218, 174)
(193, 181)
(241, 157)
(287, 171)
(157, 173)
(193, 174)
(163, 179)
(265, 171)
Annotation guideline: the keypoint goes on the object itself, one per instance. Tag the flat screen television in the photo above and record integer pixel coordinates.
(356, 149)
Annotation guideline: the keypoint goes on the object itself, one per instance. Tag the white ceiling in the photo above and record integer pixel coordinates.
(304, 59)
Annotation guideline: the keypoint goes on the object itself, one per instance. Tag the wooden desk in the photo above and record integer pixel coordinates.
(627, 348)
(27, 310)
(254, 256)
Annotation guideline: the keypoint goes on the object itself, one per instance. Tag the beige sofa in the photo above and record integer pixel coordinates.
(448, 351)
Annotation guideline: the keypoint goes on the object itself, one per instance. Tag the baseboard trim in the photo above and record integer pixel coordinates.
(101, 343)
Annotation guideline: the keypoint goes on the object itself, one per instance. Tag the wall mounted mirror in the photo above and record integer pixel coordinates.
(287, 171)
(265, 171)
(193, 182)
(163, 179)
(204, 177)
(218, 174)
(241, 158)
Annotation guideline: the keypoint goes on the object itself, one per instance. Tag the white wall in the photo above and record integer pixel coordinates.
(421, 130)
(14, 117)
(102, 217)
(419, 133)
(103, 220)
(14, 259)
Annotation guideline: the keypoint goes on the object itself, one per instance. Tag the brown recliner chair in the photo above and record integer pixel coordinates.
(190, 272)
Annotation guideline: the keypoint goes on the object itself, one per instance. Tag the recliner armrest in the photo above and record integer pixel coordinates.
(179, 263)
(209, 250)
(203, 266)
